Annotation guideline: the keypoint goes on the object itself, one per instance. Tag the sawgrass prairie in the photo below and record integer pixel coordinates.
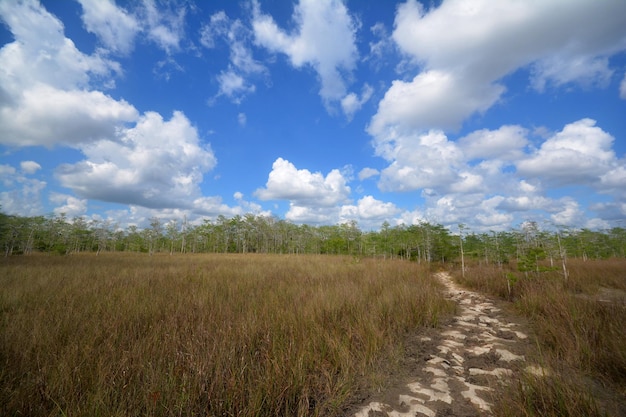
(217, 335)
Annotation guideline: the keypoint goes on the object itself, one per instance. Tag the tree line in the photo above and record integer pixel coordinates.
(250, 233)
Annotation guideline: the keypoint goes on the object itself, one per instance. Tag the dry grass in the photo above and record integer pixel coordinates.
(581, 338)
(215, 335)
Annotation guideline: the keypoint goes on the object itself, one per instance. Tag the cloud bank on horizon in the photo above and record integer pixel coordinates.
(316, 111)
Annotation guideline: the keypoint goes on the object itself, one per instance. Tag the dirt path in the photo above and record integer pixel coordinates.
(476, 351)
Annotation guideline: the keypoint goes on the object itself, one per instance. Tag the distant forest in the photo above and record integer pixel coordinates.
(261, 234)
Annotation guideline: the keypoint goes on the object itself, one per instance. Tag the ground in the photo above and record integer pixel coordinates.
(454, 369)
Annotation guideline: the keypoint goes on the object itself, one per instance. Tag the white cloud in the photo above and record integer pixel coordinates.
(46, 81)
(113, 25)
(213, 206)
(579, 154)
(615, 180)
(380, 48)
(433, 99)
(489, 175)
(468, 182)
(117, 28)
(324, 38)
(569, 214)
(494, 39)
(6, 174)
(29, 167)
(352, 103)
(461, 69)
(216, 28)
(526, 202)
(420, 161)
(41, 54)
(489, 217)
(44, 115)
(366, 173)
(21, 195)
(155, 164)
(235, 82)
(312, 215)
(622, 88)
(304, 188)
(242, 119)
(70, 205)
(163, 27)
(369, 209)
(586, 70)
(504, 144)
(234, 86)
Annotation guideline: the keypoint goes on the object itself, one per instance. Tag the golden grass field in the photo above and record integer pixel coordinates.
(580, 330)
(124, 334)
(218, 335)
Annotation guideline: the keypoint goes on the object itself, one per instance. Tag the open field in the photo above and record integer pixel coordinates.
(579, 325)
(221, 335)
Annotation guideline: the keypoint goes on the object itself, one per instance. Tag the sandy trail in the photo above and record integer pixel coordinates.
(474, 353)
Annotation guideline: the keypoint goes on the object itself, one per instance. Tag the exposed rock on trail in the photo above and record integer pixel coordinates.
(470, 356)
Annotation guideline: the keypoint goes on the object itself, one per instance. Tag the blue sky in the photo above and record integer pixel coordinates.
(316, 111)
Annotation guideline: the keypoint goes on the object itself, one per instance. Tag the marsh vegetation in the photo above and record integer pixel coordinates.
(580, 334)
(253, 316)
(218, 335)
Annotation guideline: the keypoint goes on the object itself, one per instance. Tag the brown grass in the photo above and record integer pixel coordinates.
(218, 335)
(581, 339)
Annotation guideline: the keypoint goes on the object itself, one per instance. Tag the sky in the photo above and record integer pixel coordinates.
(473, 112)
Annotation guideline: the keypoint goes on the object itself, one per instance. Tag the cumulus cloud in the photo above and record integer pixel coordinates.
(303, 187)
(507, 143)
(433, 99)
(312, 215)
(614, 180)
(352, 103)
(154, 164)
(46, 83)
(68, 205)
(579, 154)
(369, 209)
(324, 38)
(213, 206)
(41, 54)
(49, 98)
(420, 161)
(451, 75)
(489, 176)
(29, 167)
(568, 214)
(47, 116)
(114, 26)
(461, 69)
